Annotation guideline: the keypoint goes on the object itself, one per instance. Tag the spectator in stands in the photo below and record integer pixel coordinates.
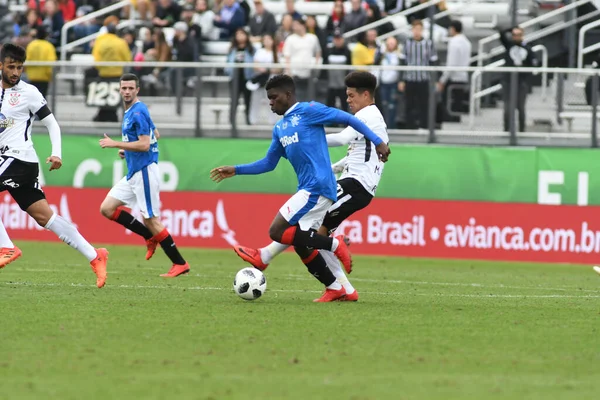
(167, 13)
(261, 23)
(291, 10)
(301, 47)
(337, 54)
(31, 22)
(313, 27)
(109, 47)
(40, 50)
(356, 18)
(395, 6)
(129, 36)
(284, 31)
(204, 19)
(424, 13)
(241, 51)
(373, 15)
(260, 109)
(68, 9)
(458, 55)
(185, 49)
(518, 54)
(231, 17)
(589, 86)
(194, 30)
(139, 9)
(417, 52)
(336, 19)
(53, 22)
(85, 29)
(364, 51)
(388, 80)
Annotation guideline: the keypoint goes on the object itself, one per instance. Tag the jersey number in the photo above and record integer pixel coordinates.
(103, 94)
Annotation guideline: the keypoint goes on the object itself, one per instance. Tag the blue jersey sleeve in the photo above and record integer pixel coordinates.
(141, 125)
(320, 114)
(268, 163)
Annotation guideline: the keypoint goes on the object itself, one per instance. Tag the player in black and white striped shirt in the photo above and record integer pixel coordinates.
(417, 52)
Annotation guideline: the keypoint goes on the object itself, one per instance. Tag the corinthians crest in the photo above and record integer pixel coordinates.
(14, 99)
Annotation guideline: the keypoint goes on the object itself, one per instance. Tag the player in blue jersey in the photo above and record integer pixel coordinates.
(300, 137)
(141, 185)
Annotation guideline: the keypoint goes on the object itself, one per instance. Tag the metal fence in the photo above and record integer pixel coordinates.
(198, 99)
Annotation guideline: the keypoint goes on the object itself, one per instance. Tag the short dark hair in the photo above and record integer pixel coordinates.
(361, 81)
(131, 77)
(283, 82)
(457, 25)
(12, 51)
(417, 22)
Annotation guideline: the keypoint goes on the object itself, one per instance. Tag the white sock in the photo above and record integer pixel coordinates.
(271, 251)
(335, 244)
(71, 236)
(337, 270)
(5, 241)
(335, 285)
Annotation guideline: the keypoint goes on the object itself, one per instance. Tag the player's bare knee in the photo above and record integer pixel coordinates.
(107, 210)
(275, 233)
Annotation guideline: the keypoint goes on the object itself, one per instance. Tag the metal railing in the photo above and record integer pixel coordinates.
(390, 18)
(195, 115)
(482, 55)
(477, 93)
(85, 18)
(581, 50)
(437, 16)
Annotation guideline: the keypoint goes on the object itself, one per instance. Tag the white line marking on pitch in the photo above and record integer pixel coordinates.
(509, 296)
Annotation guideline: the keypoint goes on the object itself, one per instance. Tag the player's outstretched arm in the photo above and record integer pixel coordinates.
(342, 138)
(321, 114)
(266, 164)
(140, 145)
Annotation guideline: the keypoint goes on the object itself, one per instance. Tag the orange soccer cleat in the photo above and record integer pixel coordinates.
(151, 245)
(251, 256)
(99, 266)
(176, 270)
(331, 295)
(350, 297)
(8, 255)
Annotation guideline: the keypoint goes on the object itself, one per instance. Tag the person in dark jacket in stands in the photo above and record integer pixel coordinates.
(518, 54)
(356, 18)
(337, 54)
(261, 23)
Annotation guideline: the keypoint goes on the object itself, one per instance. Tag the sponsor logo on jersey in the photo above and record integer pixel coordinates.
(287, 140)
(5, 123)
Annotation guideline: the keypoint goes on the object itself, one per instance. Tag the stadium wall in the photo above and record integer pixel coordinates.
(527, 204)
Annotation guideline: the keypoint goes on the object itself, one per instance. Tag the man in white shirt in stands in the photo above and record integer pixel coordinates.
(459, 55)
(301, 48)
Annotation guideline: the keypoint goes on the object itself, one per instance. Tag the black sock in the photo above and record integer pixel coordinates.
(310, 238)
(318, 268)
(135, 226)
(168, 245)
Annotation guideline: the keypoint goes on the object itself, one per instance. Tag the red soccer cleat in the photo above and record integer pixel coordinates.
(350, 297)
(331, 295)
(177, 270)
(251, 256)
(343, 253)
(8, 255)
(99, 266)
(151, 245)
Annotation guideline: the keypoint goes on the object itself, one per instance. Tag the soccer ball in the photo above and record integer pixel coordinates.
(249, 283)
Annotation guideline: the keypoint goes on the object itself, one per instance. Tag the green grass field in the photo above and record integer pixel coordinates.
(423, 329)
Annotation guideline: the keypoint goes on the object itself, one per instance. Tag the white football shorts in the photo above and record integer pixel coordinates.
(305, 209)
(142, 190)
